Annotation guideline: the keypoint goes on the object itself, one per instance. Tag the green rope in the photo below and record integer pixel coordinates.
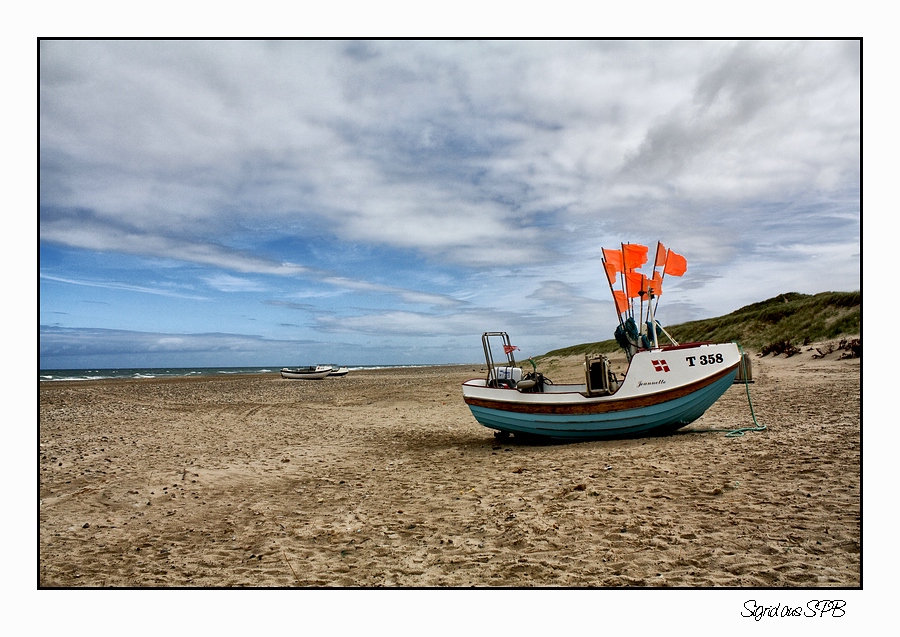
(735, 433)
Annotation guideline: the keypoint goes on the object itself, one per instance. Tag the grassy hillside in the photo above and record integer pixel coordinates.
(792, 317)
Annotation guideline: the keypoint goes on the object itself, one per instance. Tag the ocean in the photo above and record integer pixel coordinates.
(175, 372)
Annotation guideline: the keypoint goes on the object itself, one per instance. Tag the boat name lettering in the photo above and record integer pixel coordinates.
(705, 359)
(652, 382)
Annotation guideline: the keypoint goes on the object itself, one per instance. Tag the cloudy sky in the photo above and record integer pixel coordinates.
(375, 202)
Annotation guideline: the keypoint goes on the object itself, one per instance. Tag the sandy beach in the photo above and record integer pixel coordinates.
(383, 479)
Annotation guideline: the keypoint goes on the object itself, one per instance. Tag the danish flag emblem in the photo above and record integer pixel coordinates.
(660, 365)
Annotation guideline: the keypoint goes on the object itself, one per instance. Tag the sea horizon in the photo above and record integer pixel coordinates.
(95, 373)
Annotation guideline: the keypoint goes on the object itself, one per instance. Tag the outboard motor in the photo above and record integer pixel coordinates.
(600, 380)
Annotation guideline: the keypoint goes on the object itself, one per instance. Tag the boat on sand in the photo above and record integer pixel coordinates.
(312, 372)
(663, 389)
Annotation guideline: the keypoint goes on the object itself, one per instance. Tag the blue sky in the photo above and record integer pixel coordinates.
(385, 202)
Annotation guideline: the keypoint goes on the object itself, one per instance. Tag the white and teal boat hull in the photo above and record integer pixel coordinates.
(663, 390)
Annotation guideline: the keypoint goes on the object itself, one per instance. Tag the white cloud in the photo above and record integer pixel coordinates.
(228, 283)
(118, 285)
(413, 145)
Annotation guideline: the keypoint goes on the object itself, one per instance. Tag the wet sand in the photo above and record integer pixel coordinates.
(383, 479)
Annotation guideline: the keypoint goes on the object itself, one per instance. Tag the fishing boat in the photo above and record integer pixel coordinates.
(312, 372)
(664, 388)
(339, 371)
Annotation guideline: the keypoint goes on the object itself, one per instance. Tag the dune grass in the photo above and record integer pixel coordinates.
(791, 317)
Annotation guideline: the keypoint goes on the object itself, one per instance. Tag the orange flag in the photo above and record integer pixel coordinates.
(676, 265)
(660, 259)
(634, 284)
(635, 255)
(614, 259)
(621, 301)
(610, 272)
(654, 285)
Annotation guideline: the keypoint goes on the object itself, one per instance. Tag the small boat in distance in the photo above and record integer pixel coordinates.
(663, 389)
(313, 372)
(339, 371)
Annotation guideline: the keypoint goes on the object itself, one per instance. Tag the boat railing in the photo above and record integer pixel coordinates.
(496, 375)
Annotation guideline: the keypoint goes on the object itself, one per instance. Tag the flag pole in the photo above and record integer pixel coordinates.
(611, 291)
(640, 294)
(662, 274)
(625, 282)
